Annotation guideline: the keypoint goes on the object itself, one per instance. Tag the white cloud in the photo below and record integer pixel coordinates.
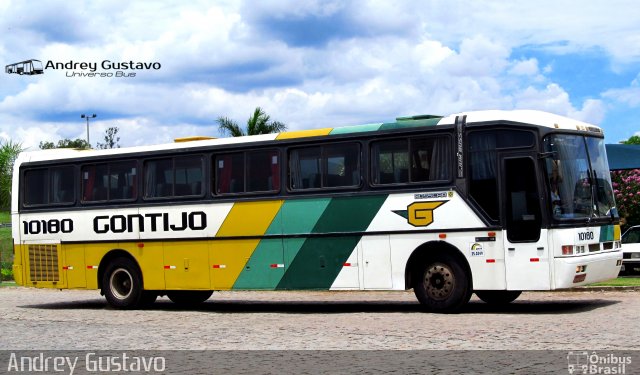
(527, 67)
(556, 100)
(392, 59)
(629, 96)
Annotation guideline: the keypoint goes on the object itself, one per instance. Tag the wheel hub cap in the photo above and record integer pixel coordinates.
(121, 283)
(439, 281)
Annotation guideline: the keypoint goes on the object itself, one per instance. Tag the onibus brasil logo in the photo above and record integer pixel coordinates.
(583, 363)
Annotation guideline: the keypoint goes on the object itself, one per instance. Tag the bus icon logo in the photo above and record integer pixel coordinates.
(28, 67)
(578, 362)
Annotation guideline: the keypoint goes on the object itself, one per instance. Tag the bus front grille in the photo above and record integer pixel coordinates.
(43, 263)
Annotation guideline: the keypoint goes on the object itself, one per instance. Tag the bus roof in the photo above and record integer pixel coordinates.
(538, 118)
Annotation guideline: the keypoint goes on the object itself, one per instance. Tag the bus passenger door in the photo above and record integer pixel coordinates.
(526, 250)
(376, 262)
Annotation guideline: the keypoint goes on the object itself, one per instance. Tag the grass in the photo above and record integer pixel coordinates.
(620, 281)
(6, 248)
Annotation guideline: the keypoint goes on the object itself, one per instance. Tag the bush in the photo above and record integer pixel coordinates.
(626, 188)
(6, 273)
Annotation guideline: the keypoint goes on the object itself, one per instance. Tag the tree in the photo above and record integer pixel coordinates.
(258, 123)
(633, 140)
(65, 143)
(8, 153)
(110, 139)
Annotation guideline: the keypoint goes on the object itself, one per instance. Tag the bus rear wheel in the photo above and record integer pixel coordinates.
(122, 285)
(442, 284)
(498, 297)
(189, 297)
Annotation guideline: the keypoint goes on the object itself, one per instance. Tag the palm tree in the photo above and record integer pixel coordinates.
(258, 123)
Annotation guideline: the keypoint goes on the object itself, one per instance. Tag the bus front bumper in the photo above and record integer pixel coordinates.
(582, 270)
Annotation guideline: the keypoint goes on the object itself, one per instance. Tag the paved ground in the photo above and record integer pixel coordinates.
(52, 319)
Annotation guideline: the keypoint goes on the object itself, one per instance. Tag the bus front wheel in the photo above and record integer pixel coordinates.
(442, 284)
(122, 285)
(498, 297)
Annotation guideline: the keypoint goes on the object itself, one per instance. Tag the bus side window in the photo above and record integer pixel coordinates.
(35, 187)
(229, 173)
(62, 185)
(263, 171)
(330, 166)
(483, 182)
(304, 166)
(95, 182)
(188, 176)
(403, 161)
(122, 180)
(342, 165)
(391, 162)
(158, 178)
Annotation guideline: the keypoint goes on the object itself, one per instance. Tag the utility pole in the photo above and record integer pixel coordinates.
(88, 117)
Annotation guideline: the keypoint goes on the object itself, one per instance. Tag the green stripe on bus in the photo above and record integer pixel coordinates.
(606, 233)
(410, 123)
(264, 269)
(356, 129)
(320, 259)
(300, 216)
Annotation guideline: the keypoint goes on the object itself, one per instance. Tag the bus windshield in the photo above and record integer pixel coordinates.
(578, 177)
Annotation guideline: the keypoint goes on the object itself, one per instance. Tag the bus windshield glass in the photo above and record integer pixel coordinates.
(578, 177)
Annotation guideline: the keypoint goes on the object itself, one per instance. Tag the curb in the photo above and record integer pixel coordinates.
(597, 289)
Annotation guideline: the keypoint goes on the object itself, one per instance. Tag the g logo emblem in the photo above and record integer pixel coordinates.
(420, 214)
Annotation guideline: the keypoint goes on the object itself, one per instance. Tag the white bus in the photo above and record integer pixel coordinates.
(491, 202)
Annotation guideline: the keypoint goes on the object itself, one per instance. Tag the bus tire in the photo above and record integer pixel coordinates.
(122, 284)
(498, 297)
(188, 298)
(442, 284)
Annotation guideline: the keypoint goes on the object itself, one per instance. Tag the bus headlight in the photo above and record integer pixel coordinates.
(635, 256)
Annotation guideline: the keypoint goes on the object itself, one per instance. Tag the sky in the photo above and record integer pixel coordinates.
(311, 64)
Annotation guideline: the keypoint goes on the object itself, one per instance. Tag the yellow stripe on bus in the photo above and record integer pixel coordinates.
(231, 256)
(304, 133)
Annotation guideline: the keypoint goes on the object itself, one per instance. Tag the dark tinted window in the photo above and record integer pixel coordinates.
(483, 183)
(35, 187)
(49, 186)
(411, 160)
(325, 166)
(631, 236)
(109, 181)
(230, 173)
(173, 177)
(263, 171)
(247, 172)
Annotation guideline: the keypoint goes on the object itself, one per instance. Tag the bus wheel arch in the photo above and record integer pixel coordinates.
(440, 276)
